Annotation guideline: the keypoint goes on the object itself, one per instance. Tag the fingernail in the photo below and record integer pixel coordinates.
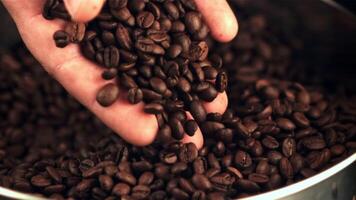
(72, 6)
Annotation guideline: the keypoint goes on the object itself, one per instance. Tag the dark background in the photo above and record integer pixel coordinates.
(349, 4)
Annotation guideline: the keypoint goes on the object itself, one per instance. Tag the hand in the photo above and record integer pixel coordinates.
(82, 78)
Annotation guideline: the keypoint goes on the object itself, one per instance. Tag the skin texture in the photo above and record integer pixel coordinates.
(82, 78)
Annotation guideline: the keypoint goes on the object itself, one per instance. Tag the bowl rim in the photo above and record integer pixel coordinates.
(306, 183)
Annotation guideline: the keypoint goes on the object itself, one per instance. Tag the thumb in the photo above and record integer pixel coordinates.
(83, 10)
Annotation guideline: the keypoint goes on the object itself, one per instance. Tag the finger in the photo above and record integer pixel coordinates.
(219, 104)
(80, 77)
(83, 10)
(220, 18)
(197, 138)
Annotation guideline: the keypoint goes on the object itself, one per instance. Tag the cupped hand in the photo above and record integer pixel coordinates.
(82, 78)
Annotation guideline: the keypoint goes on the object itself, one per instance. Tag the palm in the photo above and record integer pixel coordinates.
(82, 78)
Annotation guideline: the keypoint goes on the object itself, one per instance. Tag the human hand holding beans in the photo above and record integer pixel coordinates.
(66, 65)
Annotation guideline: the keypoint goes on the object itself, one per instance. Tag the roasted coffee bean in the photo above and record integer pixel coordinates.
(274, 157)
(297, 162)
(174, 51)
(76, 31)
(209, 93)
(263, 167)
(193, 21)
(61, 38)
(158, 85)
(190, 127)
(177, 128)
(117, 3)
(201, 182)
(150, 95)
(225, 179)
(285, 124)
(107, 95)
(123, 37)
(40, 181)
(92, 172)
(188, 152)
(314, 143)
(221, 81)
(247, 185)
(145, 19)
(286, 168)
(53, 173)
(106, 182)
(121, 189)
(153, 108)
(198, 111)
(288, 147)
(242, 160)
(109, 74)
(126, 177)
(111, 56)
(258, 178)
(270, 142)
(135, 95)
(301, 120)
(140, 192)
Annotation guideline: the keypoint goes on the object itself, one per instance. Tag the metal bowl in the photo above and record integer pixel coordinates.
(331, 29)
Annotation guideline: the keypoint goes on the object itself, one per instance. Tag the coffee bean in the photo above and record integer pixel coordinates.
(248, 185)
(107, 95)
(199, 51)
(201, 182)
(285, 124)
(314, 143)
(123, 37)
(288, 147)
(150, 95)
(258, 178)
(135, 95)
(40, 181)
(117, 3)
(75, 31)
(53, 173)
(106, 182)
(174, 51)
(221, 81)
(145, 19)
(121, 189)
(153, 108)
(92, 172)
(140, 192)
(242, 159)
(193, 21)
(270, 142)
(297, 162)
(61, 38)
(111, 56)
(188, 152)
(286, 168)
(177, 128)
(171, 9)
(274, 157)
(109, 74)
(198, 111)
(158, 85)
(126, 177)
(209, 93)
(190, 127)
(225, 179)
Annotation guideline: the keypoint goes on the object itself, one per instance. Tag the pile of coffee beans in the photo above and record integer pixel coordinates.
(157, 50)
(275, 132)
